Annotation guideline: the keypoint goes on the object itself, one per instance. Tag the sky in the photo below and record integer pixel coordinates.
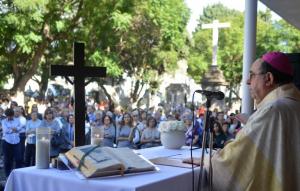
(196, 7)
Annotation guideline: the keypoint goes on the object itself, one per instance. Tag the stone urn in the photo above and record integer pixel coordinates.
(172, 134)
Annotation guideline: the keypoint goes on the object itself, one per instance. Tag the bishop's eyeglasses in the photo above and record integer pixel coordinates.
(252, 74)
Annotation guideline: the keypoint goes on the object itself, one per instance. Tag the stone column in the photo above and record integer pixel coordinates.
(249, 52)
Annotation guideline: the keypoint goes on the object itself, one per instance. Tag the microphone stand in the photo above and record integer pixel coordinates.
(211, 137)
(208, 126)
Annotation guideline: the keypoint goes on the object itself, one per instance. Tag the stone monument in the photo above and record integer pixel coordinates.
(214, 79)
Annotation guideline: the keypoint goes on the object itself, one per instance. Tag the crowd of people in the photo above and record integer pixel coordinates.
(135, 129)
(262, 156)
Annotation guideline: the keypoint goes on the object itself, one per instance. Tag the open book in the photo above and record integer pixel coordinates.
(93, 161)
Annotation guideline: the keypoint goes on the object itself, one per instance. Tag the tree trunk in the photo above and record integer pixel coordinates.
(134, 95)
(20, 79)
(20, 82)
(44, 79)
(111, 101)
(230, 97)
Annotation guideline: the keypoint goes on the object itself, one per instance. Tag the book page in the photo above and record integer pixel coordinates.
(172, 162)
(131, 161)
(96, 163)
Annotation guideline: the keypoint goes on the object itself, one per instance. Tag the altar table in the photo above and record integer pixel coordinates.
(167, 178)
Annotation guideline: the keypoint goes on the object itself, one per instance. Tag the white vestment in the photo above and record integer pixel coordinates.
(266, 153)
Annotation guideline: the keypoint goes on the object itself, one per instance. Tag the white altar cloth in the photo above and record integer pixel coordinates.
(167, 178)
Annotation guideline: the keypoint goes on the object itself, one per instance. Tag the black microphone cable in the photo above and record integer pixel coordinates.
(191, 149)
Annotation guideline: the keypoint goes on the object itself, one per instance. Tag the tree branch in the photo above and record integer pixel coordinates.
(140, 91)
(34, 78)
(69, 80)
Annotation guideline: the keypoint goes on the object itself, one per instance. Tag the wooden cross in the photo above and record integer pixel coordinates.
(79, 72)
(215, 26)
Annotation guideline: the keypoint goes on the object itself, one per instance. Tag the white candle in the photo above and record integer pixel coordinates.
(42, 153)
(96, 139)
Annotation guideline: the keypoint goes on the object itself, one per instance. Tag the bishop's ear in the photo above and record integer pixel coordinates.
(269, 78)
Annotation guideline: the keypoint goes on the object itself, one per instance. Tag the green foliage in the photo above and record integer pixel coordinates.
(197, 66)
(231, 53)
(265, 16)
(268, 37)
(216, 11)
(4, 71)
(121, 22)
(271, 36)
(229, 47)
(168, 59)
(60, 26)
(142, 38)
(27, 41)
(108, 61)
(21, 24)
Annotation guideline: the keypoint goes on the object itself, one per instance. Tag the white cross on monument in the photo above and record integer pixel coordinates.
(215, 26)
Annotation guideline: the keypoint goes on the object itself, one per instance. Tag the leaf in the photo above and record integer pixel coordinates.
(121, 21)
(60, 26)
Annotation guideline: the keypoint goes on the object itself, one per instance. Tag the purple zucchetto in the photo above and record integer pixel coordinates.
(279, 61)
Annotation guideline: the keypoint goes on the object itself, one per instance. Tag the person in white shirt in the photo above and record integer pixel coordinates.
(19, 114)
(11, 139)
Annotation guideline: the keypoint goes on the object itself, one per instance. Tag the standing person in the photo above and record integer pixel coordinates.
(109, 131)
(158, 115)
(34, 108)
(31, 126)
(5, 104)
(2, 117)
(191, 134)
(127, 133)
(118, 116)
(13, 104)
(150, 135)
(64, 117)
(91, 113)
(265, 153)
(53, 124)
(71, 129)
(20, 115)
(137, 120)
(220, 117)
(98, 119)
(11, 139)
(144, 117)
(67, 134)
(30, 104)
(138, 126)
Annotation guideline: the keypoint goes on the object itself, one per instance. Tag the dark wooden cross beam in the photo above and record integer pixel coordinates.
(79, 72)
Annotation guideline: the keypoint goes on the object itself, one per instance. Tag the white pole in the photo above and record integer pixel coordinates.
(249, 52)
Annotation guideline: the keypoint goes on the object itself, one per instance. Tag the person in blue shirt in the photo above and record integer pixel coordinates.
(31, 126)
(67, 134)
(50, 122)
(11, 141)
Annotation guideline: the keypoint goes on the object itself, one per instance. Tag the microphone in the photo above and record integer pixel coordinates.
(210, 94)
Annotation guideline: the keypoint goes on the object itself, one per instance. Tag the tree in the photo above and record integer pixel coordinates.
(148, 41)
(140, 38)
(230, 45)
(29, 30)
(154, 42)
(271, 36)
